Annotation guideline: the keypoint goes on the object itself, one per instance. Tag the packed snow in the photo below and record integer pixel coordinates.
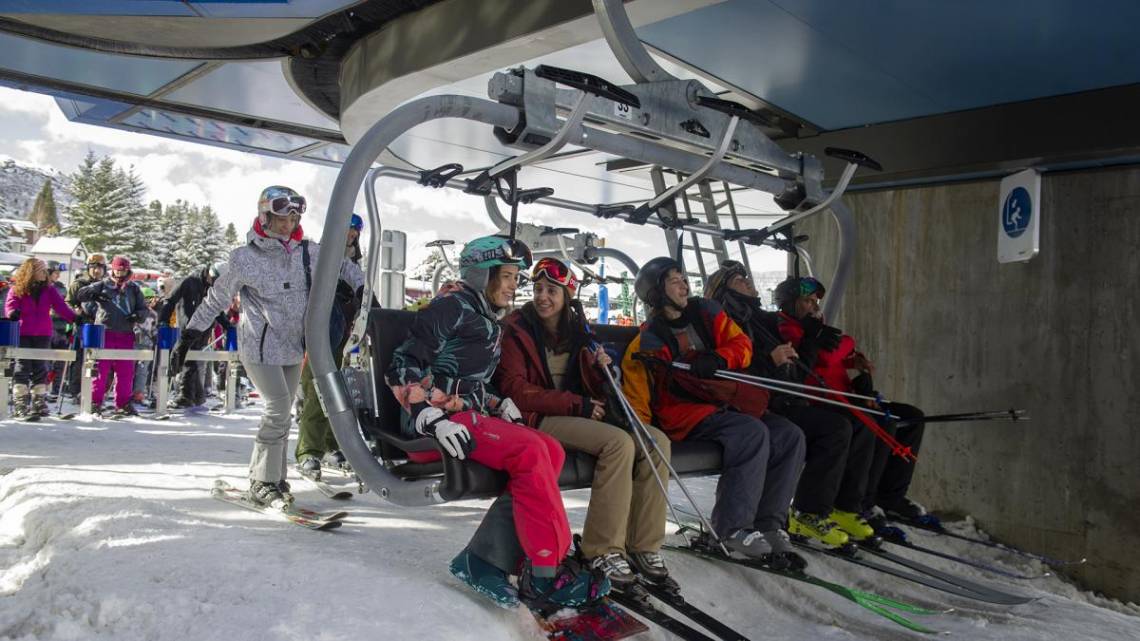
(108, 531)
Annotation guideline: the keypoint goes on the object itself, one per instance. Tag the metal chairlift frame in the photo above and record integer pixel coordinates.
(524, 113)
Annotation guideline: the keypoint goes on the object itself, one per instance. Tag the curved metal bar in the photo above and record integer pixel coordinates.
(573, 121)
(844, 266)
(497, 218)
(840, 187)
(624, 43)
(352, 174)
(699, 174)
(620, 256)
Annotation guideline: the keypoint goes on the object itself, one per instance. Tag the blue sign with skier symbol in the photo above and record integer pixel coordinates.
(1016, 212)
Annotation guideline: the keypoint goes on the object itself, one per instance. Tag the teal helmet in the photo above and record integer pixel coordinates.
(487, 252)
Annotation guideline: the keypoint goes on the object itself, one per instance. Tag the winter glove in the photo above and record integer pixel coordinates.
(862, 384)
(455, 439)
(136, 317)
(825, 336)
(706, 364)
(14, 315)
(508, 411)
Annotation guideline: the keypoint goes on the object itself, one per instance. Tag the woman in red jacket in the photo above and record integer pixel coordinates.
(30, 301)
(549, 368)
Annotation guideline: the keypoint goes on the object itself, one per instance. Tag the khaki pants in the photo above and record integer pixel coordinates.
(627, 509)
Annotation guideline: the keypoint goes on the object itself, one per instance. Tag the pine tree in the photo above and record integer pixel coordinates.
(210, 228)
(43, 211)
(174, 221)
(231, 237)
(161, 250)
(191, 247)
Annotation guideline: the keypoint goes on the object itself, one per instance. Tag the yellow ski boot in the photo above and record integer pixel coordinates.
(818, 527)
(856, 527)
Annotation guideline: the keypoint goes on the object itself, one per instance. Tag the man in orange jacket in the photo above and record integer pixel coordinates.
(763, 452)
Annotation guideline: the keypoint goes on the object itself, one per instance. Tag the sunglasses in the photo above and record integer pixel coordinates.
(555, 271)
(288, 205)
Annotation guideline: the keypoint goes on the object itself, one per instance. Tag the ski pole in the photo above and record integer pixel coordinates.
(639, 430)
(1001, 415)
(63, 375)
(897, 448)
(815, 388)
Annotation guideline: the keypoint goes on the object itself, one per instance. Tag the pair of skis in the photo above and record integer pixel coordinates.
(308, 519)
(338, 491)
(637, 599)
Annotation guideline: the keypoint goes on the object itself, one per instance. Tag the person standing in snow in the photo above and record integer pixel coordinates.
(60, 328)
(441, 376)
(181, 304)
(30, 300)
(119, 305)
(315, 439)
(85, 313)
(272, 272)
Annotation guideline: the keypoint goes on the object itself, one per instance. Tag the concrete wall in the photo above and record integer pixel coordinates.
(950, 329)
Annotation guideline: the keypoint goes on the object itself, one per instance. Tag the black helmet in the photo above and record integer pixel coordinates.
(791, 289)
(650, 282)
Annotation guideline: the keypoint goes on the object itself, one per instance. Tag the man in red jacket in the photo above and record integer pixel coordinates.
(763, 453)
(889, 477)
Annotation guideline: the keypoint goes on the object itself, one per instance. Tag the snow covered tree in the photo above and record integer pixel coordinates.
(43, 212)
(426, 269)
(216, 247)
(161, 247)
(231, 237)
(108, 203)
(137, 233)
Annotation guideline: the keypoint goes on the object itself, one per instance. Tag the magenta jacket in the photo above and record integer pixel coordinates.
(35, 314)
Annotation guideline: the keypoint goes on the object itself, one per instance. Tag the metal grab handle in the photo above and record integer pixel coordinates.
(699, 174)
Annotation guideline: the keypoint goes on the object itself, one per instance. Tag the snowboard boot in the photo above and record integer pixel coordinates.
(615, 568)
(818, 527)
(572, 586)
(310, 467)
(650, 566)
(39, 401)
(267, 494)
(20, 409)
(853, 524)
(485, 579)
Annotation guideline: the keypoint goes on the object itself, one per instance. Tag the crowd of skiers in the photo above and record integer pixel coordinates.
(510, 389)
(130, 313)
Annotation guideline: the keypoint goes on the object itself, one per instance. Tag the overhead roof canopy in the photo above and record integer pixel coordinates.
(933, 90)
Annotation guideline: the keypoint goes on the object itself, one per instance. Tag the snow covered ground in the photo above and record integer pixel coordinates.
(107, 531)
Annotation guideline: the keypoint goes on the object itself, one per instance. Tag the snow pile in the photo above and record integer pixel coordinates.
(107, 531)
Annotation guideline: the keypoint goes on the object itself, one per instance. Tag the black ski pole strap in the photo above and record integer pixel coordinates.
(305, 264)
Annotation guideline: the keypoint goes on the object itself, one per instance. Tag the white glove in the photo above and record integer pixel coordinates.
(454, 437)
(509, 411)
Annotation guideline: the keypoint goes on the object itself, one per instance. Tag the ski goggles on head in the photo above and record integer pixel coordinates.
(516, 250)
(809, 286)
(555, 271)
(287, 205)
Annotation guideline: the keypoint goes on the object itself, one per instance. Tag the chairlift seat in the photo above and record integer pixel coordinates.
(467, 479)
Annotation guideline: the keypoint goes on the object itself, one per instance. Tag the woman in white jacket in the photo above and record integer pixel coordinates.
(272, 273)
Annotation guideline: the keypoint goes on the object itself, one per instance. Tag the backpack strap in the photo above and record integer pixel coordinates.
(305, 263)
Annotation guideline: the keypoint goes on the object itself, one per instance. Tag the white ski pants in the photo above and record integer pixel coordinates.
(277, 385)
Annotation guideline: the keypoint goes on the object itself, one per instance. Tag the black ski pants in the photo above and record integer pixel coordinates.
(29, 371)
(839, 455)
(889, 478)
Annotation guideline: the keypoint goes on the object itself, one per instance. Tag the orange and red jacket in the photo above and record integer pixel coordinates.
(830, 365)
(658, 404)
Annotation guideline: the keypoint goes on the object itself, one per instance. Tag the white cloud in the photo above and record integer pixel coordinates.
(34, 130)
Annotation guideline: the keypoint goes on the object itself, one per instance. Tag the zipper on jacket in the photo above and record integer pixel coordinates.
(261, 344)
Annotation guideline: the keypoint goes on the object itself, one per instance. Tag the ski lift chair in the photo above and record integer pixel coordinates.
(467, 479)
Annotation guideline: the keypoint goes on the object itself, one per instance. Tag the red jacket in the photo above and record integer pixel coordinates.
(656, 403)
(523, 375)
(830, 365)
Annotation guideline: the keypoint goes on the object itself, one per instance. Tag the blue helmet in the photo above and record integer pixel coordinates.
(356, 223)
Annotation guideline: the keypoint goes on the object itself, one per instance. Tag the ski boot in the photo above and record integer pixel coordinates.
(485, 579)
(39, 401)
(650, 567)
(772, 549)
(910, 511)
(853, 523)
(615, 568)
(268, 494)
(310, 467)
(125, 411)
(20, 409)
(335, 460)
(818, 527)
(285, 490)
(571, 586)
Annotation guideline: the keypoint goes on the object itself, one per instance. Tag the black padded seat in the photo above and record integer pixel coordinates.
(466, 479)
